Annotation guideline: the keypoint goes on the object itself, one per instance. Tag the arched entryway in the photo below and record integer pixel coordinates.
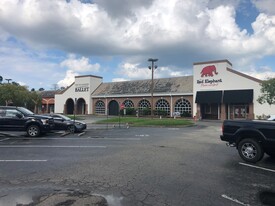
(69, 106)
(113, 107)
(81, 106)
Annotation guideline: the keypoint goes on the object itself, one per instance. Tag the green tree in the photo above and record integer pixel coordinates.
(268, 92)
(15, 83)
(35, 100)
(13, 94)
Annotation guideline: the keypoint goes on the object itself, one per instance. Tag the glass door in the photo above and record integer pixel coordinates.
(240, 111)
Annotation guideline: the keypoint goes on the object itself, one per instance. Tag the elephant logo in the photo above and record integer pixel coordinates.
(209, 71)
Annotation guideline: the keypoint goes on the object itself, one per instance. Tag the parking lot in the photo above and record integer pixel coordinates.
(133, 166)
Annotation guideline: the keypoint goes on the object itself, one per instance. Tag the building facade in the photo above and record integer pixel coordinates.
(215, 91)
(170, 95)
(223, 93)
(48, 101)
(77, 97)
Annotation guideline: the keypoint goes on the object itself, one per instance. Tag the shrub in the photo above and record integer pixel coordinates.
(160, 112)
(186, 114)
(145, 111)
(130, 111)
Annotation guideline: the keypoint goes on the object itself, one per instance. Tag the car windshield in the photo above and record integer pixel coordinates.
(25, 111)
(63, 117)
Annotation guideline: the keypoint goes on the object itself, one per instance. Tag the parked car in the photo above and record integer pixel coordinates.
(252, 138)
(62, 122)
(21, 119)
(271, 118)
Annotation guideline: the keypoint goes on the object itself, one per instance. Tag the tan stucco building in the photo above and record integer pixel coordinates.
(215, 91)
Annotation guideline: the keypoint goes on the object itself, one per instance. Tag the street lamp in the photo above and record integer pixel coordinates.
(152, 67)
(75, 108)
(8, 80)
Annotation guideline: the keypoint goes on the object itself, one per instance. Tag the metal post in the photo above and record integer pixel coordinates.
(119, 114)
(75, 105)
(152, 84)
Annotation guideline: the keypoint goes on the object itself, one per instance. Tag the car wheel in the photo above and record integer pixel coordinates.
(33, 131)
(71, 129)
(250, 150)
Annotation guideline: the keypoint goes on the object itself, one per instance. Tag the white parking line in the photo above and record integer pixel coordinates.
(82, 138)
(121, 138)
(81, 134)
(234, 200)
(48, 146)
(2, 140)
(142, 135)
(261, 168)
(23, 160)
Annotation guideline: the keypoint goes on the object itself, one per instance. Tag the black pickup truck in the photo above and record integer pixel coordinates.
(21, 119)
(252, 138)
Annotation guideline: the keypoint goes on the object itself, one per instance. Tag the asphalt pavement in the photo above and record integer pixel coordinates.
(132, 166)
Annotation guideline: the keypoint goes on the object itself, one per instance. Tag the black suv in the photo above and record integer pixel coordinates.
(21, 119)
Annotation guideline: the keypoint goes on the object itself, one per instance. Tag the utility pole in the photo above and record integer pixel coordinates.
(152, 67)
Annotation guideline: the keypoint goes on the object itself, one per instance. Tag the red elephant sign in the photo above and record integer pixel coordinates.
(209, 71)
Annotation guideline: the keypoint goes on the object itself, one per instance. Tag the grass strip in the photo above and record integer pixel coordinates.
(134, 121)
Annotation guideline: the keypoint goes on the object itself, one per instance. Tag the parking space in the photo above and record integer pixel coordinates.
(175, 165)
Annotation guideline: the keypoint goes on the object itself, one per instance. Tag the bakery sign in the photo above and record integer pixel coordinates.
(81, 87)
(208, 77)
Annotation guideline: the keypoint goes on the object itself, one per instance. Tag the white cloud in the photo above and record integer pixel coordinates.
(264, 28)
(261, 73)
(68, 80)
(119, 80)
(79, 65)
(89, 29)
(178, 32)
(130, 71)
(76, 66)
(266, 6)
(27, 67)
(222, 24)
(261, 76)
(163, 72)
(133, 71)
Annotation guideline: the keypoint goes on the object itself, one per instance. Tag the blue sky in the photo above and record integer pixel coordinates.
(43, 43)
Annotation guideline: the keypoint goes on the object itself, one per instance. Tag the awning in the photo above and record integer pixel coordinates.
(209, 97)
(238, 96)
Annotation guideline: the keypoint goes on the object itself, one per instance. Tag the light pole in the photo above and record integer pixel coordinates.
(8, 80)
(152, 67)
(75, 108)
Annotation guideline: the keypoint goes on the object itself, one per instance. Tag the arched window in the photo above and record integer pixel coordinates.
(100, 107)
(183, 106)
(163, 105)
(144, 104)
(128, 104)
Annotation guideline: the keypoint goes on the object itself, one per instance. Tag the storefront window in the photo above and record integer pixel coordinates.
(144, 104)
(163, 104)
(183, 106)
(240, 111)
(128, 104)
(100, 107)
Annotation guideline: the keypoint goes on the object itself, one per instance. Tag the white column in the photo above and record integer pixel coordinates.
(171, 105)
